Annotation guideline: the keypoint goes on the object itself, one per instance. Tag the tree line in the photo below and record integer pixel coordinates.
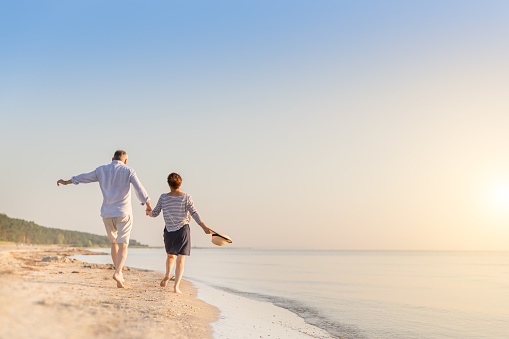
(28, 232)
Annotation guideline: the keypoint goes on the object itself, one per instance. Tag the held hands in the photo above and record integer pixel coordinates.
(148, 209)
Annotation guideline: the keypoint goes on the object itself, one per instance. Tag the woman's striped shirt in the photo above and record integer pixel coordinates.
(177, 211)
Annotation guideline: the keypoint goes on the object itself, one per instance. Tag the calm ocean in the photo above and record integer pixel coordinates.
(361, 294)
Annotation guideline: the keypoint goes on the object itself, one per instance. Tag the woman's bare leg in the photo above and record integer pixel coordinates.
(179, 271)
(170, 260)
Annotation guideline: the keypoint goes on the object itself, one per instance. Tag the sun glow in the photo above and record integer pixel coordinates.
(494, 200)
(501, 196)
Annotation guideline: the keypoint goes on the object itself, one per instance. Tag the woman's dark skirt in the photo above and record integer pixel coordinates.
(179, 241)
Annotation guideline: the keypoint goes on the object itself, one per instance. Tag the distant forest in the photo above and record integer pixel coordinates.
(28, 232)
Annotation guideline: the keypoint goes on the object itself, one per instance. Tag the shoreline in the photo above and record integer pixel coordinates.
(244, 317)
(47, 294)
(240, 316)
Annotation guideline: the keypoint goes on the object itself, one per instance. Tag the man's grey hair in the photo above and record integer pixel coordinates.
(119, 155)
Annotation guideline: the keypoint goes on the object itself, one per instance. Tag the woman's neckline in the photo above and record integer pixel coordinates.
(176, 196)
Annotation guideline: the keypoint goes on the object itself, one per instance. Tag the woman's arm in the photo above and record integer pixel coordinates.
(194, 213)
(205, 228)
(155, 212)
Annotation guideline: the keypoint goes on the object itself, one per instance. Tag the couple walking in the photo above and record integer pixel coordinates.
(115, 181)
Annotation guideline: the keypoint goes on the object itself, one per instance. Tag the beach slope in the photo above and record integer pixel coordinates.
(46, 294)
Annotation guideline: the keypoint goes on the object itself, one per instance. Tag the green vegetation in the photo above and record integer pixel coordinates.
(28, 232)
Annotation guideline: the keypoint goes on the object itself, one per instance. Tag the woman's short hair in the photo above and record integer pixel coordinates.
(174, 180)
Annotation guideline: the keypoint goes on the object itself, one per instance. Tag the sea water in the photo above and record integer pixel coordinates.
(360, 294)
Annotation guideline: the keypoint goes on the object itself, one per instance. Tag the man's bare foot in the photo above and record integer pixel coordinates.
(177, 290)
(164, 282)
(119, 279)
(122, 276)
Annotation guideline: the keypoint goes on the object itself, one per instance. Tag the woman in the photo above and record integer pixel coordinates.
(178, 208)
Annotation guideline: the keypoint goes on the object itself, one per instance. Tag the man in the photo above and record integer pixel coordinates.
(115, 181)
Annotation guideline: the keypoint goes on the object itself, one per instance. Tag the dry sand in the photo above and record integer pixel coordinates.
(46, 294)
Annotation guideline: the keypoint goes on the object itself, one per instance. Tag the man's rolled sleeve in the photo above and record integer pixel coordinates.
(85, 178)
(139, 189)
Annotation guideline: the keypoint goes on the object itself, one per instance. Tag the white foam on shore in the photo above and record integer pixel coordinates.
(241, 317)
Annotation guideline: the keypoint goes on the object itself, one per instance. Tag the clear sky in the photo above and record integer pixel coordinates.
(294, 124)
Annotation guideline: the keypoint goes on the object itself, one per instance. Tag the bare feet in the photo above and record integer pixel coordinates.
(177, 290)
(164, 282)
(119, 279)
(121, 276)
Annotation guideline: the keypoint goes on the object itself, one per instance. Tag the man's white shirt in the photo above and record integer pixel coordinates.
(115, 181)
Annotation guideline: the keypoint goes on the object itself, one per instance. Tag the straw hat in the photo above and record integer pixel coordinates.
(220, 239)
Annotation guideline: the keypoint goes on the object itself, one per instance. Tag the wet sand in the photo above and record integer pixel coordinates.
(46, 294)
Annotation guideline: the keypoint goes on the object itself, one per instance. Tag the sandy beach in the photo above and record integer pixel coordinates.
(46, 294)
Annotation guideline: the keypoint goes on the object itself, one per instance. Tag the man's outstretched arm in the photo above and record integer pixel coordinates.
(84, 178)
